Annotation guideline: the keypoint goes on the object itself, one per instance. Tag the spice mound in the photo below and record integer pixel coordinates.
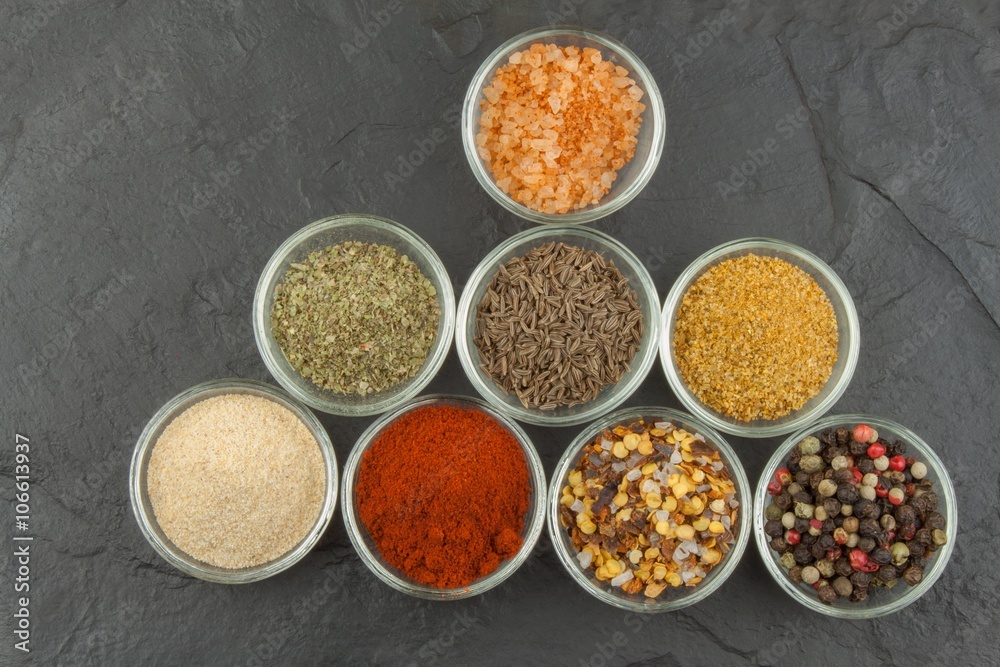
(236, 481)
(557, 124)
(355, 318)
(557, 325)
(850, 512)
(443, 492)
(650, 506)
(755, 338)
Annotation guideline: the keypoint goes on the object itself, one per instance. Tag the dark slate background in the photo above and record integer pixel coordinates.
(153, 156)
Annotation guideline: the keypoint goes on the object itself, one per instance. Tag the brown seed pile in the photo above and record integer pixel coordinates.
(236, 480)
(650, 506)
(557, 325)
(557, 124)
(755, 338)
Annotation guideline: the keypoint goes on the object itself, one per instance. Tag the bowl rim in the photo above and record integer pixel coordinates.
(944, 486)
(638, 70)
(142, 508)
(641, 364)
(534, 520)
(718, 576)
(851, 327)
(289, 378)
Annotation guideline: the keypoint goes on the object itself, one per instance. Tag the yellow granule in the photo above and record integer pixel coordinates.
(236, 480)
(557, 124)
(755, 338)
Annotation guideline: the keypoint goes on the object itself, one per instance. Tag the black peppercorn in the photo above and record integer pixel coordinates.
(861, 579)
(843, 436)
(930, 500)
(773, 528)
(924, 537)
(779, 544)
(866, 544)
(906, 515)
(881, 555)
(842, 476)
(867, 528)
(847, 493)
(826, 541)
(866, 465)
(826, 593)
(843, 586)
(919, 504)
(803, 497)
(843, 567)
(913, 575)
(829, 525)
(888, 573)
(801, 478)
(832, 506)
(899, 447)
(863, 508)
(858, 448)
(817, 551)
(808, 539)
(859, 595)
(934, 521)
(919, 561)
(897, 477)
(802, 525)
(784, 500)
(802, 555)
(816, 478)
(916, 549)
(795, 574)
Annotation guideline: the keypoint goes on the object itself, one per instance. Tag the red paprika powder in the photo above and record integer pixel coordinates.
(443, 492)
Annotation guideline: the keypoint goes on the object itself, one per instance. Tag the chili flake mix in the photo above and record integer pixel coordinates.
(650, 507)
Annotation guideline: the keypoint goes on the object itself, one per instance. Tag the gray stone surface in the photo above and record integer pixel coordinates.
(130, 256)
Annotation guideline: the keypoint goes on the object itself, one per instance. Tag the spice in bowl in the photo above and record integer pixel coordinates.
(236, 481)
(851, 512)
(557, 325)
(557, 124)
(443, 492)
(650, 507)
(755, 337)
(355, 318)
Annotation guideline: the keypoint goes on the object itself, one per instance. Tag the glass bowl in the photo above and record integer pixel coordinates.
(365, 546)
(143, 508)
(516, 246)
(671, 599)
(848, 345)
(880, 601)
(332, 231)
(631, 178)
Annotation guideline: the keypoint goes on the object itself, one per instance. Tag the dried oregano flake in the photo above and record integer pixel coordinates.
(355, 318)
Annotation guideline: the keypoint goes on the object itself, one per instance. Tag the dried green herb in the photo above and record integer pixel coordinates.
(355, 318)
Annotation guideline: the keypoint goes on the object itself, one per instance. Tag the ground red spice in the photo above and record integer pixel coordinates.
(443, 492)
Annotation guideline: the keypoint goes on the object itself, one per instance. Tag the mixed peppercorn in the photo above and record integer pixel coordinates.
(650, 506)
(851, 511)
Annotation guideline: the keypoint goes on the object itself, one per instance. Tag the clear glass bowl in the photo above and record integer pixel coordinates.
(848, 346)
(518, 245)
(671, 599)
(143, 508)
(880, 601)
(631, 179)
(332, 231)
(365, 546)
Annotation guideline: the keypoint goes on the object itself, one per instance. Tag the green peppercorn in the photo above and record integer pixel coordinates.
(787, 560)
(811, 463)
(772, 511)
(808, 446)
(900, 554)
(843, 586)
(825, 567)
(804, 510)
(940, 537)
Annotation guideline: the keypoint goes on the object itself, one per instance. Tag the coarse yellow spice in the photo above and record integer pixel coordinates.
(236, 480)
(755, 337)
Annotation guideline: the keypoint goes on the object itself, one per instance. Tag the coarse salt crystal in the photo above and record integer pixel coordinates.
(633, 474)
(585, 558)
(623, 578)
(578, 506)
